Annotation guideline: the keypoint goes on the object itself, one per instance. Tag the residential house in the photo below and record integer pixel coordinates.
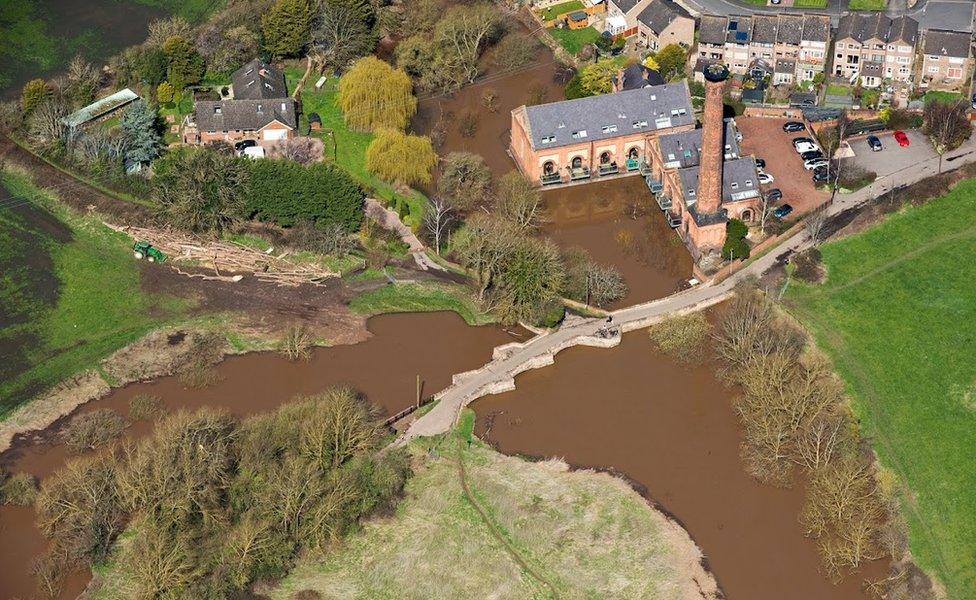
(874, 47)
(946, 59)
(814, 47)
(572, 140)
(636, 76)
(258, 109)
(662, 22)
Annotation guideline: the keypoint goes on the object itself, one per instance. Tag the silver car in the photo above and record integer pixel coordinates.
(814, 163)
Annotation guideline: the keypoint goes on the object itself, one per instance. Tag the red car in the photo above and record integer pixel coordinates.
(901, 138)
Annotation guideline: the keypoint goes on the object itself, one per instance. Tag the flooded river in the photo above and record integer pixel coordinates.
(671, 431)
(384, 369)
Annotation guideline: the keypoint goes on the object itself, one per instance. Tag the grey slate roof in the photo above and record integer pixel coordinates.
(739, 182)
(816, 28)
(862, 27)
(764, 28)
(946, 43)
(683, 149)
(660, 13)
(609, 115)
(258, 80)
(637, 76)
(624, 5)
(790, 29)
(712, 29)
(903, 29)
(244, 115)
(785, 65)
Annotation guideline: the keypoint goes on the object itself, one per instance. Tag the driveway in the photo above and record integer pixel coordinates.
(764, 138)
(893, 158)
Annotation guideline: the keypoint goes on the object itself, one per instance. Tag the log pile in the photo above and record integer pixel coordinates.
(229, 260)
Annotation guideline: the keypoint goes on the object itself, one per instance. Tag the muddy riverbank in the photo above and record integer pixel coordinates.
(383, 369)
(671, 430)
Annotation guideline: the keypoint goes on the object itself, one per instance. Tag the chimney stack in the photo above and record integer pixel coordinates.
(709, 195)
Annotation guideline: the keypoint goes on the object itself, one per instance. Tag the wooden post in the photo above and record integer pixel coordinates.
(418, 391)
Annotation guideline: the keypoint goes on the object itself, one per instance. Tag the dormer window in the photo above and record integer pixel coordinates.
(268, 85)
(216, 110)
(250, 83)
(549, 139)
(579, 134)
(735, 185)
(609, 129)
(748, 183)
(260, 109)
(691, 193)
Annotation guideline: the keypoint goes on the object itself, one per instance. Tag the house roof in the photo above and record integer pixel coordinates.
(903, 29)
(739, 30)
(625, 6)
(764, 28)
(257, 80)
(683, 149)
(785, 65)
(100, 107)
(816, 28)
(609, 115)
(862, 27)
(870, 69)
(712, 29)
(739, 182)
(946, 43)
(638, 76)
(790, 29)
(245, 115)
(659, 14)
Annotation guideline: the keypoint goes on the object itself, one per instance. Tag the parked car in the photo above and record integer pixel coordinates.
(802, 140)
(774, 194)
(765, 178)
(821, 175)
(760, 163)
(811, 155)
(901, 138)
(793, 126)
(806, 147)
(243, 145)
(780, 212)
(875, 143)
(812, 164)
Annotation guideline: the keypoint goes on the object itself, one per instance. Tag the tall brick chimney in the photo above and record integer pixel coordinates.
(709, 194)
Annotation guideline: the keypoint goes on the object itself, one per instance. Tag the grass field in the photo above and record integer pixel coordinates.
(897, 314)
(809, 3)
(574, 39)
(413, 297)
(941, 96)
(868, 4)
(92, 306)
(551, 12)
(350, 146)
(585, 534)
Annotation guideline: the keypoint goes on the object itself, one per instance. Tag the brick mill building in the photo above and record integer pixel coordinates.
(259, 109)
(598, 136)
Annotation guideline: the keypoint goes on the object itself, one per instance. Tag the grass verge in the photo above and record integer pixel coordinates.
(93, 306)
(810, 4)
(588, 534)
(897, 314)
(420, 297)
(868, 5)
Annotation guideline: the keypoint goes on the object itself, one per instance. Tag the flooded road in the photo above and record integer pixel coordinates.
(612, 221)
(671, 430)
(384, 369)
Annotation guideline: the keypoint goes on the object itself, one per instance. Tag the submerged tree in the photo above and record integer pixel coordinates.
(465, 180)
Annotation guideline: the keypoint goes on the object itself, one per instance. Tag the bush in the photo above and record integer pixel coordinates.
(682, 337)
(90, 430)
(736, 246)
(287, 193)
(144, 407)
(553, 315)
(854, 178)
(574, 89)
(19, 489)
(808, 265)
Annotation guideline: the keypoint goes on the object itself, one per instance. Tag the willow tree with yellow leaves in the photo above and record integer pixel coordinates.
(373, 95)
(401, 158)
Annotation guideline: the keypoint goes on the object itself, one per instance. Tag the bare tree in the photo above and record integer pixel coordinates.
(46, 128)
(815, 224)
(461, 36)
(831, 140)
(341, 35)
(484, 246)
(438, 220)
(947, 126)
(303, 150)
(519, 202)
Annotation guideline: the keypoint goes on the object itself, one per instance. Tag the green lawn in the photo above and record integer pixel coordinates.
(809, 3)
(941, 96)
(897, 314)
(551, 12)
(835, 89)
(350, 146)
(415, 297)
(868, 4)
(98, 308)
(574, 39)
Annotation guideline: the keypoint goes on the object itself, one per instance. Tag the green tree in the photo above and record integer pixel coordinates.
(574, 89)
(287, 27)
(184, 66)
(531, 277)
(671, 61)
(165, 92)
(34, 93)
(288, 193)
(141, 129)
(736, 245)
(398, 157)
(597, 78)
(149, 66)
(200, 189)
(374, 95)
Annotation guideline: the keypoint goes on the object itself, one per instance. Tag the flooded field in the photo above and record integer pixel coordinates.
(671, 430)
(384, 369)
(612, 222)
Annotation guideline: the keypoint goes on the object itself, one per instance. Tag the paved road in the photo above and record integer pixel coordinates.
(498, 375)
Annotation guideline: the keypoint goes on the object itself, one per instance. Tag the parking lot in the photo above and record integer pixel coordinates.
(764, 138)
(893, 157)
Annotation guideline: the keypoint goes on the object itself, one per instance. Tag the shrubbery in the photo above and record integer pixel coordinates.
(287, 193)
(736, 246)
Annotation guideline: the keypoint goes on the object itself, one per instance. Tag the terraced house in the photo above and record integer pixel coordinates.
(611, 134)
(657, 23)
(946, 59)
(794, 47)
(872, 48)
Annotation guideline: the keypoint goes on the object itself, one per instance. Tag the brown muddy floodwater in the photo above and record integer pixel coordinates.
(670, 430)
(384, 369)
(612, 221)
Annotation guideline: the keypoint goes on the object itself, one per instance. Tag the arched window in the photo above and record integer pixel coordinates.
(549, 168)
(605, 158)
(747, 215)
(577, 162)
(633, 153)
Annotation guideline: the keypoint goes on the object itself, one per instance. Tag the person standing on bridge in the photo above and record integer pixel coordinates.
(609, 318)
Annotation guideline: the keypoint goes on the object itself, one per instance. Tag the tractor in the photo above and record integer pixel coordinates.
(146, 250)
